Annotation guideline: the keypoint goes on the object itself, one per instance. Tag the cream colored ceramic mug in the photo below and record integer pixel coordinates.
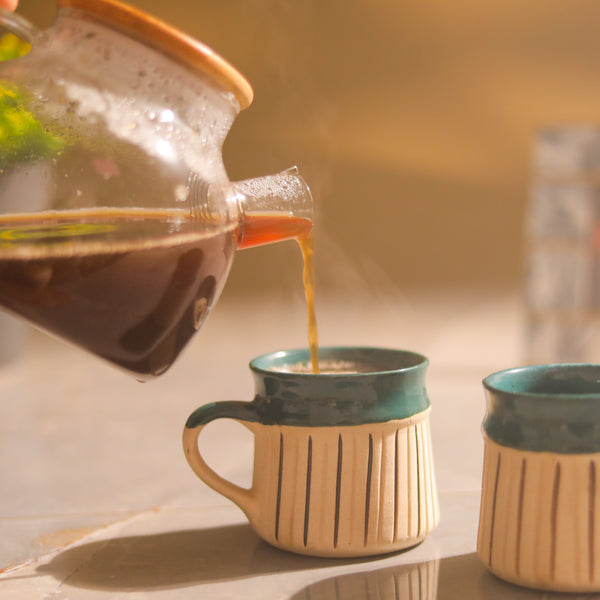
(342, 460)
(540, 505)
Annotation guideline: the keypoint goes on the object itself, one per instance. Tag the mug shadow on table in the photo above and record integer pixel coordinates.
(191, 557)
(176, 559)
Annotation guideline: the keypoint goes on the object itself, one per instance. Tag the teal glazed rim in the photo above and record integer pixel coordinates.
(377, 360)
(545, 408)
(392, 388)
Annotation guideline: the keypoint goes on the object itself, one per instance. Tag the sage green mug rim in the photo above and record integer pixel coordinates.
(394, 361)
(328, 400)
(545, 408)
(507, 381)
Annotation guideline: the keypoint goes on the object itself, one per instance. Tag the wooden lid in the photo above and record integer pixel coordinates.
(171, 40)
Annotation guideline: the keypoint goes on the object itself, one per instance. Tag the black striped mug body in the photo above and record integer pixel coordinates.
(539, 522)
(342, 461)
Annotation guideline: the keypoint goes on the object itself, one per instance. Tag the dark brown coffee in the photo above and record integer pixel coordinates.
(131, 286)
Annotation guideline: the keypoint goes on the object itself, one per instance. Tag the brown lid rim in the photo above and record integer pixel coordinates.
(165, 37)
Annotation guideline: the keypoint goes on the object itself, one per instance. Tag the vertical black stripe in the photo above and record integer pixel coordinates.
(396, 490)
(338, 492)
(336, 585)
(396, 590)
(418, 482)
(409, 487)
(368, 494)
(554, 520)
(494, 498)
(279, 480)
(592, 521)
(307, 500)
(520, 515)
(428, 482)
(411, 576)
(376, 591)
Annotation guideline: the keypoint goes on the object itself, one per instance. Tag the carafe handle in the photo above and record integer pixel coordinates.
(20, 26)
(243, 412)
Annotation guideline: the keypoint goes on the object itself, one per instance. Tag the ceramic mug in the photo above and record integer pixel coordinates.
(540, 506)
(342, 460)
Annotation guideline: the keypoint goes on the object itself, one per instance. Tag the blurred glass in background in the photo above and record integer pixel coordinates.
(563, 253)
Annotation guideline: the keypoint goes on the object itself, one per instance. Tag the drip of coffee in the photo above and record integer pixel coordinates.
(264, 228)
(308, 279)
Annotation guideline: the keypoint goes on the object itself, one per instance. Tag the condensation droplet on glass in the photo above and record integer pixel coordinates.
(164, 148)
(181, 192)
(167, 116)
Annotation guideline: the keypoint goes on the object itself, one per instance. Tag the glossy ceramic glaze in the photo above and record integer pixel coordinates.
(553, 408)
(393, 388)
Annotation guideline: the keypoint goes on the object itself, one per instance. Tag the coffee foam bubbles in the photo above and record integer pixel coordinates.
(327, 367)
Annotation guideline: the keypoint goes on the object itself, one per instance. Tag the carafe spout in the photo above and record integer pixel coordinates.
(272, 208)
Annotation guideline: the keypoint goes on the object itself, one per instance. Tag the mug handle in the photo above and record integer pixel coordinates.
(245, 412)
(20, 26)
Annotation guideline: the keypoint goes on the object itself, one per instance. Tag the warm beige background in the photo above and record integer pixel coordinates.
(412, 121)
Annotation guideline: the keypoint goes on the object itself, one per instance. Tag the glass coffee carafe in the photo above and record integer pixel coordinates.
(118, 223)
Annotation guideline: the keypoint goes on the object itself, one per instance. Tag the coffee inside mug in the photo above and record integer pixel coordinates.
(340, 361)
(329, 367)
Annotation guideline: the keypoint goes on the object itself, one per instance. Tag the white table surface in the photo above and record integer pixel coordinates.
(98, 501)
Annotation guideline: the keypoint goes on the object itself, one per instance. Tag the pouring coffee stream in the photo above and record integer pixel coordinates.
(126, 233)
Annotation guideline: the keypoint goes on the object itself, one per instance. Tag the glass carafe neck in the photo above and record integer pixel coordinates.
(271, 208)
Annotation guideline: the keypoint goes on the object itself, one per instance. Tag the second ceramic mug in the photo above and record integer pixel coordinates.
(540, 504)
(342, 461)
